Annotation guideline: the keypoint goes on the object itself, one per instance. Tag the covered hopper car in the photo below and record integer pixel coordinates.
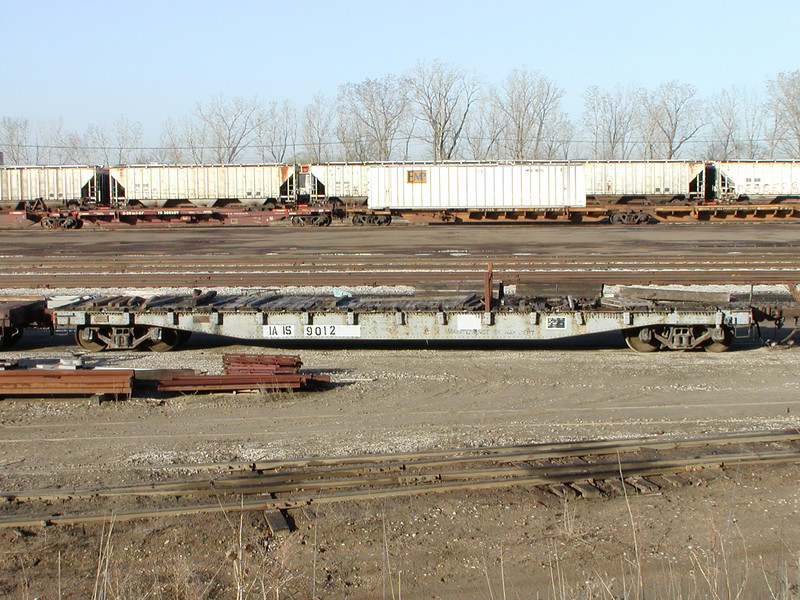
(375, 193)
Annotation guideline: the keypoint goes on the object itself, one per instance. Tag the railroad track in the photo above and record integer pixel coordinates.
(420, 271)
(425, 257)
(588, 468)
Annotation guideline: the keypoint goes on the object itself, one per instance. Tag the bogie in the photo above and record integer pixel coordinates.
(673, 337)
(106, 337)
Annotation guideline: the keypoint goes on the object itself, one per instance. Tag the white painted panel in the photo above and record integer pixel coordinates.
(476, 186)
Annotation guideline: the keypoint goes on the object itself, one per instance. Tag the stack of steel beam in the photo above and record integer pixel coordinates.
(264, 372)
(62, 382)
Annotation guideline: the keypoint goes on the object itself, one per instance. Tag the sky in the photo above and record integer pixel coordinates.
(92, 62)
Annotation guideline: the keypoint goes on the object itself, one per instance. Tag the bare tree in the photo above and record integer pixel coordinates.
(276, 132)
(51, 147)
(377, 110)
(775, 135)
(318, 128)
(784, 94)
(557, 138)
(184, 142)
(485, 131)
(738, 126)
(444, 97)
(672, 116)
(723, 110)
(98, 144)
(610, 118)
(128, 141)
(171, 146)
(355, 143)
(529, 103)
(229, 125)
(75, 149)
(15, 140)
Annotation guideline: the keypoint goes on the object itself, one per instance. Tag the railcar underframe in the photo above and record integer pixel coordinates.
(322, 216)
(164, 322)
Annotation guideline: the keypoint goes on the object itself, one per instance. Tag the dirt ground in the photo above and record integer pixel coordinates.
(732, 533)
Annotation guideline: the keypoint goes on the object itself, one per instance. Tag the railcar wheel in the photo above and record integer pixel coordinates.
(299, 221)
(641, 340)
(48, 223)
(85, 338)
(359, 220)
(170, 339)
(380, 219)
(321, 221)
(615, 218)
(721, 340)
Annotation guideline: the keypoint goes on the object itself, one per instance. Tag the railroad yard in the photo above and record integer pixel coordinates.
(427, 514)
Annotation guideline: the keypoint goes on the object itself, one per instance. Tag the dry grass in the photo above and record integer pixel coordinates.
(245, 563)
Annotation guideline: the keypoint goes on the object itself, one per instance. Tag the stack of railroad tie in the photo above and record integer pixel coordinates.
(267, 372)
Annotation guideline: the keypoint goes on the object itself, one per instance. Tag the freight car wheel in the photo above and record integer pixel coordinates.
(170, 339)
(321, 221)
(48, 223)
(641, 340)
(721, 340)
(299, 221)
(359, 220)
(380, 219)
(85, 338)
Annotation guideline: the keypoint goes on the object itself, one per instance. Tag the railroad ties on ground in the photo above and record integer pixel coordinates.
(594, 468)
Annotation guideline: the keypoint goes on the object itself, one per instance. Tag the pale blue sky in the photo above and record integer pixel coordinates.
(94, 61)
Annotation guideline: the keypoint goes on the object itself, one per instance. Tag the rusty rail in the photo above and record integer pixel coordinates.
(372, 479)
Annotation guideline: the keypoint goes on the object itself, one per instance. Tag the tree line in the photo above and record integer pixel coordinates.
(438, 111)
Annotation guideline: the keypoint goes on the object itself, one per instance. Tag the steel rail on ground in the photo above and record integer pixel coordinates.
(368, 477)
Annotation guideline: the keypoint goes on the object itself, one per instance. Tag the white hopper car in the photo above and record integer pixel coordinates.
(203, 186)
(758, 180)
(57, 185)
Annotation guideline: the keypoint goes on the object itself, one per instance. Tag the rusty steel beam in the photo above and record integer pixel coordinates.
(487, 287)
(60, 382)
(236, 381)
